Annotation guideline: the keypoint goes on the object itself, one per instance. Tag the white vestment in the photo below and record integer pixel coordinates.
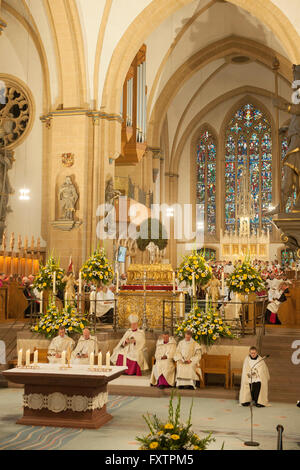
(260, 373)
(188, 374)
(84, 346)
(101, 302)
(165, 367)
(134, 352)
(57, 346)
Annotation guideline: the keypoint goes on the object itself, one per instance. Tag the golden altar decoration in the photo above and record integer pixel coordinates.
(149, 289)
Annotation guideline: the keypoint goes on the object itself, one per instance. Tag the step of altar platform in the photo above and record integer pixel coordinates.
(140, 387)
(284, 385)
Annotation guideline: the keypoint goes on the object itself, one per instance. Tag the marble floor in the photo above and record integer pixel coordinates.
(229, 422)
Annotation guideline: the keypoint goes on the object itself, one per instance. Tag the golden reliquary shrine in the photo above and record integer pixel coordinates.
(149, 291)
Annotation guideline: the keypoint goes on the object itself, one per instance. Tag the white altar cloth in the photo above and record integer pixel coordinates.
(78, 369)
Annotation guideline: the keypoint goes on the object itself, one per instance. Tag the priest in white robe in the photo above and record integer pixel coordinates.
(254, 382)
(163, 372)
(187, 357)
(60, 343)
(131, 349)
(86, 345)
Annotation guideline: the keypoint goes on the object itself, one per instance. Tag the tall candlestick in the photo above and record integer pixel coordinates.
(28, 357)
(108, 359)
(54, 283)
(100, 359)
(63, 358)
(92, 359)
(193, 284)
(36, 357)
(20, 357)
(173, 275)
(206, 303)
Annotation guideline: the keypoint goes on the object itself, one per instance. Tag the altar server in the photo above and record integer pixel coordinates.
(60, 343)
(258, 392)
(163, 372)
(132, 346)
(86, 345)
(187, 357)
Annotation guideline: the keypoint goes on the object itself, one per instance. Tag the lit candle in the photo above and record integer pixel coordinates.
(108, 359)
(36, 357)
(223, 285)
(41, 302)
(193, 284)
(28, 357)
(125, 360)
(100, 359)
(54, 283)
(117, 282)
(173, 282)
(63, 358)
(92, 359)
(20, 357)
(80, 283)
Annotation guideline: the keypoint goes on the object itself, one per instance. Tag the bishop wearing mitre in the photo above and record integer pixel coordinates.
(163, 372)
(131, 349)
(60, 343)
(187, 357)
(254, 382)
(86, 345)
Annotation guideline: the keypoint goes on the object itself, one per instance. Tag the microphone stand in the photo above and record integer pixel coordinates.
(252, 443)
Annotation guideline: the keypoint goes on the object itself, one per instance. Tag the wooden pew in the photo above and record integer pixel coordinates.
(215, 364)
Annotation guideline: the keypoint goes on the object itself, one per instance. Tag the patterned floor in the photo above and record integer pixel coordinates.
(229, 422)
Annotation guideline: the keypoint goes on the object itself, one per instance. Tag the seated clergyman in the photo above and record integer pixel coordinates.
(187, 357)
(86, 345)
(132, 347)
(163, 372)
(60, 343)
(254, 382)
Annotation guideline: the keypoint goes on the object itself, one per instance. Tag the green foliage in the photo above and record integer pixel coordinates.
(172, 435)
(97, 268)
(207, 327)
(49, 323)
(194, 263)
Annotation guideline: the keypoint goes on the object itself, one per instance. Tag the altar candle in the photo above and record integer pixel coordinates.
(206, 303)
(108, 359)
(117, 282)
(193, 284)
(41, 302)
(80, 283)
(223, 285)
(54, 283)
(173, 282)
(124, 360)
(63, 358)
(36, 357)
(20, 357)
(100, 359)
(28, 357)
(92, 359)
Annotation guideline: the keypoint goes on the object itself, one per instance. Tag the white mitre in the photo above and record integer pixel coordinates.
(133, 318)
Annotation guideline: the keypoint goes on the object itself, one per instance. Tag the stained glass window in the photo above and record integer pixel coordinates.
(284, 149)
(206, 179)
(248, 147)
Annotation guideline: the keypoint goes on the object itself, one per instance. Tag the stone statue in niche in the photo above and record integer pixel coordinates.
(291, 162)
(110, 193)
(68, 198)
(6, 163)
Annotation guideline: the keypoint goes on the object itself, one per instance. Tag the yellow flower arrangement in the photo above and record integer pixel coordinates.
(245, 278)
(194, 263)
